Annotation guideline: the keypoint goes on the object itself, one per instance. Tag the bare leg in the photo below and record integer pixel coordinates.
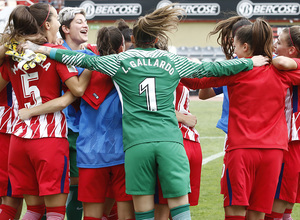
(94, 210)
(161, 212)
(235, 210)
(15, 203)
(125, 210)
(279, 206)
(254, 215)
(108, 204)
(143, 203)
(12, 201)
(33, 200)
(290, 205)
(56, 200)
(178, 201)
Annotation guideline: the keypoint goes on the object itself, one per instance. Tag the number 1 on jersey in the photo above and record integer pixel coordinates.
(148, 86)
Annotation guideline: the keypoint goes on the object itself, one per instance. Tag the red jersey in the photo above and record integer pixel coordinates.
(6, 110)
(295, 116)
(257, 106)
(34, 87)
(182, 106)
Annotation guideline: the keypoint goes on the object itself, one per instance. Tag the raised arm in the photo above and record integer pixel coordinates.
(284, 63)
(51, 106)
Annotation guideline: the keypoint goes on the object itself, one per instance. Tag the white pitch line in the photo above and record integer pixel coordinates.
(212, 157)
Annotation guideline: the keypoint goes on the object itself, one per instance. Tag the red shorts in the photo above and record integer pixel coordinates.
(194, 154)
(94, 184)
(298, 192)
(110, 192)
(39, 166)
(250, 178)
(288, 183)
(5, 186)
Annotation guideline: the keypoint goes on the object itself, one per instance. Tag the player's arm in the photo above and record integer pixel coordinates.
(105, 64)
(284, 63)
(189, 69)
(188, 120)
(210, 92)
(51, 106)
(3, 81)
(3, 49)
(78, 85)
(206, 93)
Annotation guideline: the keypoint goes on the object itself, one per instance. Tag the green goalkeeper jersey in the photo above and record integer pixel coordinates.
(146, 80)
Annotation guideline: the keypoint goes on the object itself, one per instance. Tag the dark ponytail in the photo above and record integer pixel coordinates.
(259, 36)
(227, 29)
(109, 40)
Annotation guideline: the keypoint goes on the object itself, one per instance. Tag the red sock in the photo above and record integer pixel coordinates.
(57, 213)
(90, 218)
(35, 212)
(273, 215)
(7, 212)
(58, 209)
(288, 211)
(235, 217)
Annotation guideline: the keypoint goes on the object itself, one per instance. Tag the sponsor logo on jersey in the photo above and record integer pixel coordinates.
(125, 9)
(248, 9)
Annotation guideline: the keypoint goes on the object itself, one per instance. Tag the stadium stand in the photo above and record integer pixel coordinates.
(202, 53)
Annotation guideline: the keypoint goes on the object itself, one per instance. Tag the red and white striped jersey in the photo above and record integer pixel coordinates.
(7, 115)
(34, 87)
(295, 119)
(182, 106)
(292, 110)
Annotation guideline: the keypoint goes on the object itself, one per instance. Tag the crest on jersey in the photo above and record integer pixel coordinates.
(71, 68)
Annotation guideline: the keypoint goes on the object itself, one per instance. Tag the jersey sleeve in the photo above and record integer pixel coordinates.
(207, 82)
(190, 69)
(93, 48)
(294, 75)
(66, 71)
(108, 65)
(297, 60)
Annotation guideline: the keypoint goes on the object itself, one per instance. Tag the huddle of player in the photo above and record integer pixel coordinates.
(125, 128)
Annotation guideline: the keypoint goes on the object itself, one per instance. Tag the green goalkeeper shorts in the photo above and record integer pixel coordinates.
(167, 160)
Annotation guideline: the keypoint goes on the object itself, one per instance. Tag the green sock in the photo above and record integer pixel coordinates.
(144, 215)
(74, 207)
(181, 212)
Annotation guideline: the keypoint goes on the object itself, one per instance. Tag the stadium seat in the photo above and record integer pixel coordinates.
(208, 52)
(183, 51)
(195, 52)
(219, 53)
